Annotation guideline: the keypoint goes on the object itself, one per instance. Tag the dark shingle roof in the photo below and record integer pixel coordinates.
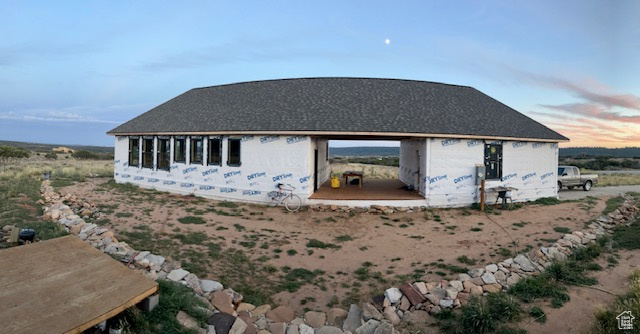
(338, 105)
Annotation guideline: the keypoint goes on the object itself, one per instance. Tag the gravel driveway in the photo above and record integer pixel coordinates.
(596, 191)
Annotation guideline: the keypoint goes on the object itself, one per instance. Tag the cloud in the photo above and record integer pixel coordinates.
(588, 89)
(594, 110)
(52, 116)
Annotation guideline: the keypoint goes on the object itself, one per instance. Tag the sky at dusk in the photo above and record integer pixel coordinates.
(72, 70)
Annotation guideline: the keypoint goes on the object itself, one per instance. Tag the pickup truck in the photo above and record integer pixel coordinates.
(569, 176)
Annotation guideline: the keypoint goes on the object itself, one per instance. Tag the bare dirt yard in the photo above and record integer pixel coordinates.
(315, 260)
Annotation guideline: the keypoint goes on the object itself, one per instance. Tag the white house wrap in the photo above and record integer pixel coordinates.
(237, 142)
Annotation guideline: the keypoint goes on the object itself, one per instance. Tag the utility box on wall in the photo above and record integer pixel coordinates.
(480, 173)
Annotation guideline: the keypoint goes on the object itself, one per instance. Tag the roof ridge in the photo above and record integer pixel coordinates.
(338, 78)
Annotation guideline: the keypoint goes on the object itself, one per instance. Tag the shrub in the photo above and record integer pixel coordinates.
(561, 229)
(314, 243)
(192, 220)
(85, 155)
(537, 314)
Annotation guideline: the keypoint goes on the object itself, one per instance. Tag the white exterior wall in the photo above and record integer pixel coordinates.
(412, 162)
(324, 170)
(528, 166)
(265, 162)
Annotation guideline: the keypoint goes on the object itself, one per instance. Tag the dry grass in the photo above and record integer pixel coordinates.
(621, 179)
(62, 168)
(370, 171)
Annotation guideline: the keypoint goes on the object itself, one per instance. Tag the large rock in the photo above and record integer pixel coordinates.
(524, 263)
(492, 288)
(370, 312)
(315, 319)
(513, 279)
(336, 316)
(452, 293)
(211, 286)
(468, 285)
(393, 294)
(422, 287)
(245, 307)
(413, 295)
(177, 274)
(281, 314)
(193, 283)
(304, 329)
(418, 317)
(186, 320)
(391, 315)
(457, 285)
(294, 329)
(328, 330)
(500, 276)
(463, 277)
(260, 310)
(476, 290)
(368, 327)
(222, 322)
(354, 319)
(222, 301)
(492, 268)
(238, 327)
(447, 303)
(278, 328)
(488, 278)
(476, 272)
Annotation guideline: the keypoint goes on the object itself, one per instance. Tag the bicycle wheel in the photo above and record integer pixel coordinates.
(274, 198)
(293, 203)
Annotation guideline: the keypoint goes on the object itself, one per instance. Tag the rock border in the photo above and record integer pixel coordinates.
(228, 314)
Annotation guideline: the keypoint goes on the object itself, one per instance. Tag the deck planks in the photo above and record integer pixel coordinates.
(63, 285)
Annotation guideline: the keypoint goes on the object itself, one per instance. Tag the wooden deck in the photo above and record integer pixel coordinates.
(371, 190)
(63, 285)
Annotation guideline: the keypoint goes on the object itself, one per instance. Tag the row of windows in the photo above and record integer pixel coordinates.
(196, 155)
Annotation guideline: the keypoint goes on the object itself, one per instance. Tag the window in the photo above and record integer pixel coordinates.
(493, 161)
(234, 152)
(179, 149)
(147, 152)
(196, 150)
(134, 151)
(215, 151)
(163, 153)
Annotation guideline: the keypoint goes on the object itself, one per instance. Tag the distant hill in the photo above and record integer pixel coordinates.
(36, 147)
(627, 152)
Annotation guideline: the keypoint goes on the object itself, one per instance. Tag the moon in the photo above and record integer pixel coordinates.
(387, 41)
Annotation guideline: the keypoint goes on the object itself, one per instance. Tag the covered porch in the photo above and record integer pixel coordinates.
(372, 189)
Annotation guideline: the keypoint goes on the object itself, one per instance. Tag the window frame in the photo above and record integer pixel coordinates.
(137, 151)
(192, 147)
(182, 150)
(493, 173)
(166, 154)
(145, 153)
(229, 152)
(210, 145)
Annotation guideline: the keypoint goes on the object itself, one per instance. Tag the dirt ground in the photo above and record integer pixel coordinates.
(386, 249)
(577, 315)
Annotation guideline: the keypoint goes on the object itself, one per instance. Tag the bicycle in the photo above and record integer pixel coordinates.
(285, 196)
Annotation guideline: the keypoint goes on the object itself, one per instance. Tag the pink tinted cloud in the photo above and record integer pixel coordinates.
(588, 89)
(593, 110)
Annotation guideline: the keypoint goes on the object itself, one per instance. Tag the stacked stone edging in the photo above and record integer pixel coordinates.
(410, 302)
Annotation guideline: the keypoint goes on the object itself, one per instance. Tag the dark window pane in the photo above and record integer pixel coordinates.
(134, 152)
(147, 153)
(179, 150)
(196, 151)
(163, 154)
(234, 152)
(215, 152)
